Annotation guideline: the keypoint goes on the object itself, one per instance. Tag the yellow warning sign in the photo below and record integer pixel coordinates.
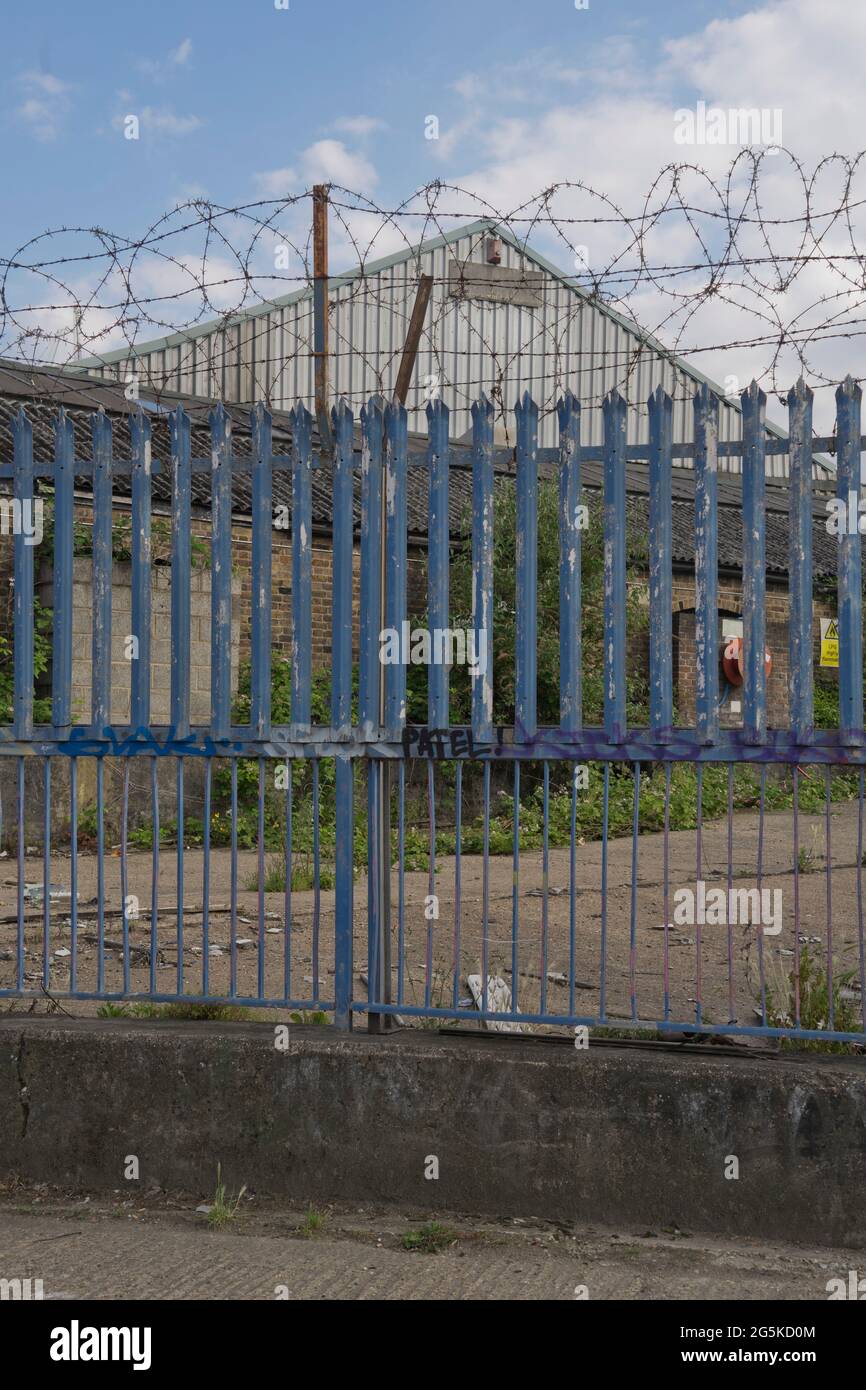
(829, 642)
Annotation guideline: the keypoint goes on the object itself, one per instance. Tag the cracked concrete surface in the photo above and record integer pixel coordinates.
(158, 1246)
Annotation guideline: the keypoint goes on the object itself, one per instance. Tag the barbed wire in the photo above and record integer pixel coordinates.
(763, 270)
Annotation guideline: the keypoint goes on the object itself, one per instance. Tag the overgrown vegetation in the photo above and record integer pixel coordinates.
(430, 1239)
(200, 1013)
(815, 991)
(224, 1208)
(43, 627)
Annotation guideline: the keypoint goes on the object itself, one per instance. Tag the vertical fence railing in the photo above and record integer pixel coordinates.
(526, 756)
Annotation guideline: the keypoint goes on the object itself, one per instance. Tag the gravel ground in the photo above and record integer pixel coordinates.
(730, 978)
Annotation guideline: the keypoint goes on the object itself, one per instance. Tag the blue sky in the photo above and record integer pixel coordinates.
(243, 101)
(236, 89)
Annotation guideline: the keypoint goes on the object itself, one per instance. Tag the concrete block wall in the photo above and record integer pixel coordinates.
(121, 628)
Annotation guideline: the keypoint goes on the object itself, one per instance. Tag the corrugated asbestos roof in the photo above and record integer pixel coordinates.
(42, 392)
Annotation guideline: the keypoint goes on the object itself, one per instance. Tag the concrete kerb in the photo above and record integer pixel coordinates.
(611, 1135)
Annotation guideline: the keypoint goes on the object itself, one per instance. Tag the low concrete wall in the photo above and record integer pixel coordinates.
(609, 1135)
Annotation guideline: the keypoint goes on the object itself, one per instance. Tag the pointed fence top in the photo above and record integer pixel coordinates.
(302, 426)
(753, 398)
(525, 406)
(437, 409)
(219, 418)
(341, 412)
(799, 392)
(849, 390)
(567, 405)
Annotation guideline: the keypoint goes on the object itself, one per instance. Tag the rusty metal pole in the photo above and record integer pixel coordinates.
(320, 312)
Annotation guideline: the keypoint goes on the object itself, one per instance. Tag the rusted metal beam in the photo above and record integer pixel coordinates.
(320, 310)
(413, 338)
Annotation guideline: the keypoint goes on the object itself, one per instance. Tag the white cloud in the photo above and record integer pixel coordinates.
(161, 120)
(329, 161)
(610, 125)
(278, 183)
(180, 56)
(359, 126)
(326, 161)
(158, 69)
(45, 104)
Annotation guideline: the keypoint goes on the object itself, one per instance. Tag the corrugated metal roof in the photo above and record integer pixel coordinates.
(43, 392)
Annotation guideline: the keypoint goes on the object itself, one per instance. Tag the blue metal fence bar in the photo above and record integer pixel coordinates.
(458, 881)
(401, 881)
(602, 984)
(341, 710)
(545, 882)
(139, 707)
(437, 566)
(848, 484)
(706, 418)
(154, 872)
(260, 873)
(100, 707)
(431, 879)
(699, 942)
(570, 528)
(287, 924)
(614, 411)
(369, 712)
(124, 871)
(19, 951)
(526, 550)
(46, 876)
(635, 860)
(754, 403)
(515, 891)
(800, 563)
(302, 568)
(660, 408)
(73, 874)
(181, 563)
(317, 884)
(205, 873)
(341, 611)
(373, 421)
(221, 572)
(396, 438)
(233, 885)
(179, 859)
(828, 876)
(482, 566)
(260, 576)
(61, 649)
(100, 876)
(22, 572)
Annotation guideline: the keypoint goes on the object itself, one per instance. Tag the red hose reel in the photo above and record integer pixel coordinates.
(732, 661)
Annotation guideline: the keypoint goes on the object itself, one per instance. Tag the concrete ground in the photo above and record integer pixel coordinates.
(160, 1247)
(729, 965)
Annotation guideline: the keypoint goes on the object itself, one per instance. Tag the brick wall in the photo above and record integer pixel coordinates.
(160, 655)
(776, 609)
(730, 604)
